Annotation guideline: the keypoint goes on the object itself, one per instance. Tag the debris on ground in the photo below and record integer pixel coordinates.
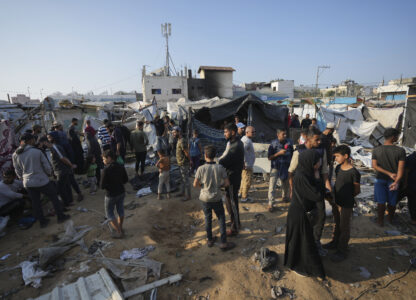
(278, 229)
(276, 275)
(401, 252)
(96, 286)
(98, 244)
(136, 253)
(364, 272)
(49, 254)
(155, 284)
(276, 292)
(31, 274)
(143, 192)
(267, 258)
(4, 257)
(393, 232)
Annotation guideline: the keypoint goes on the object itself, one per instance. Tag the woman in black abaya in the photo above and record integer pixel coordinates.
(301, 254)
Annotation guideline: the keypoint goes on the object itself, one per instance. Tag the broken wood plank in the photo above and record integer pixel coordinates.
(155, 284)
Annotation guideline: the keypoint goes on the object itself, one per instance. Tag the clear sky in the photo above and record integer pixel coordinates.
(102, 45)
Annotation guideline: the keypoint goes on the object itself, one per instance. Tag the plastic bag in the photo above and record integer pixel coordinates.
(120, 160)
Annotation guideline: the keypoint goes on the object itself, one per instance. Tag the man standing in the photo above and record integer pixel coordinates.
(389, 162)
(161, 142)
(233, 162)
(37, 131)
(249, 159)
(32, 166)
(73, 135)
(62, 140)
(183, 158)
(63, 168)
(306, 122)
(313, 140)
(104, 136)
(118, 144)
(295, 122)
(139, 141)
(328, 143)
(280, 153)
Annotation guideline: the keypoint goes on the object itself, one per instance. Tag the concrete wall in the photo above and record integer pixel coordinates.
(196, 89)
(286, 87)
(218, 83)
(165, 84)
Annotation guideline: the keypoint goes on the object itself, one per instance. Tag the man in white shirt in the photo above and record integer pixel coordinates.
(249, 159)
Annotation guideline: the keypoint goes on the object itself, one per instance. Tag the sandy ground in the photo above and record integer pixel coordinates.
(176, 229)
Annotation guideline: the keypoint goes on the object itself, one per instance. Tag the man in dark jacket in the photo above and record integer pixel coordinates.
(233, 162)
(32, 166)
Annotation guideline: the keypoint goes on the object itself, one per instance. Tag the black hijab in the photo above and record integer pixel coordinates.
(306, 191)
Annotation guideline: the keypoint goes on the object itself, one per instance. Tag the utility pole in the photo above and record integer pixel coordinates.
(318, 73)
(166, 32)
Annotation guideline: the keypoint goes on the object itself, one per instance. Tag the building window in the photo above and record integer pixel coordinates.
(274, 89)
(176, 91)
(156, 91)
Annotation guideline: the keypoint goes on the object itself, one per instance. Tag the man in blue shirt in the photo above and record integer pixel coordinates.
(280, 154)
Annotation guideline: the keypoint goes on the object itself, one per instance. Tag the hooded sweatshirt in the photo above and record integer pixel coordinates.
(32, 166)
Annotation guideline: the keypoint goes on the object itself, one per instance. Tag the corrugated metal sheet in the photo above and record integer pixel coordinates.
(98, 286)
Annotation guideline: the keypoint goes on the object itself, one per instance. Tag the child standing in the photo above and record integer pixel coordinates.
(91, 174)
(164, 167)
(195, 151)
(210, 177)
(347, 186)
(114, 178)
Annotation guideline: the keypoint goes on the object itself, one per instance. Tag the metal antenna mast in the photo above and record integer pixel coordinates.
(166, 32)
(318, 72)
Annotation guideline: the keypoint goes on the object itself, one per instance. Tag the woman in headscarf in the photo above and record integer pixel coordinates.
(95, 150)
(301, 254)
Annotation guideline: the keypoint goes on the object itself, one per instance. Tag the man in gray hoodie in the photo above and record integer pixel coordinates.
(32, 166)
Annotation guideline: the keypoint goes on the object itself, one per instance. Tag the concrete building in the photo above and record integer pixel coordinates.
(23, 99)
(396, 89)
(346, 88)
(218, 81)
(286, 87)
(163, 88)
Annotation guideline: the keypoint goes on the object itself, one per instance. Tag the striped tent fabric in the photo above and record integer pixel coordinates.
(210, 136)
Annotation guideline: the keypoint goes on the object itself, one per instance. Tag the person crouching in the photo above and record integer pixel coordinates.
(114, 178)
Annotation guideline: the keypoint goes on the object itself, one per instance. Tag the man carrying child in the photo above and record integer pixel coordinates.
(210, 177)
(347, 186)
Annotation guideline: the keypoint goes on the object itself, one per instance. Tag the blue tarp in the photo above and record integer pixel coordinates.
(395, 97)
(344, 100)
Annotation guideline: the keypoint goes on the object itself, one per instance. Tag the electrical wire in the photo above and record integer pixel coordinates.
(387, 284)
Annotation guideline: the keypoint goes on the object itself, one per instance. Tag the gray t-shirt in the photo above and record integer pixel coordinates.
(211, 176)
(388, 157)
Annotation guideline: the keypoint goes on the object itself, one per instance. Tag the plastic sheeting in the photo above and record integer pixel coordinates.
(387, 117)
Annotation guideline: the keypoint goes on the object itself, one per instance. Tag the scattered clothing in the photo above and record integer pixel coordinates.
(136, 253)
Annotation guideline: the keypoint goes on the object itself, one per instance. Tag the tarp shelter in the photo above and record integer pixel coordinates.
(387, 117)
(266, 118)
(409, 128)
(351, 120)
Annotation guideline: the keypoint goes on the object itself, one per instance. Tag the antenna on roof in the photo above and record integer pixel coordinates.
(166, 32)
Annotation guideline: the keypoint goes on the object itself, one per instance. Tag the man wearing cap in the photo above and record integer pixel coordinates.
(183, 158)
(32, 166)
(240, 130)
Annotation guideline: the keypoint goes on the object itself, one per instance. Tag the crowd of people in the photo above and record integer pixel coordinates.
(301, 169)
